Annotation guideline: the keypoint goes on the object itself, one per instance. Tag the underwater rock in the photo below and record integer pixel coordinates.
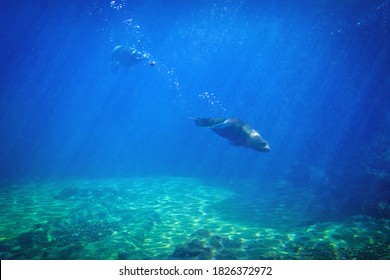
(229, 243)
(204, 245)
(215, 241)
(27, 245)
(321, 250)
(3, 249)
(32, 239)
(123, 256)
(75, 232)
(193, 250)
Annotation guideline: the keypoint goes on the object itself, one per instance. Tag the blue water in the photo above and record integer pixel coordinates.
(312, 77)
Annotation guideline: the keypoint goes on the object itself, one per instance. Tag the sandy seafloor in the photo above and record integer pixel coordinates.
(172, 218)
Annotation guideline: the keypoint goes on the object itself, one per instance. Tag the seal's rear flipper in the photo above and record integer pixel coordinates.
(198, 121)
(201, 122)
(209, 122)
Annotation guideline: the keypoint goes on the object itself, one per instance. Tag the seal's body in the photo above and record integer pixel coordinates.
(125, 56)
(238, 132)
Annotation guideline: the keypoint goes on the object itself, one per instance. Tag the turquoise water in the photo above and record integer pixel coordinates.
(173, 218)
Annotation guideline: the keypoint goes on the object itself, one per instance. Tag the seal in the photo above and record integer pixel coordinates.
(126, 56)
(238, 132)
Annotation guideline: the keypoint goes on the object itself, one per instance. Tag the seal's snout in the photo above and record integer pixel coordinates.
(266, 148)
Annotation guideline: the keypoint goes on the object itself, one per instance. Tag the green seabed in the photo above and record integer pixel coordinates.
(170, 218)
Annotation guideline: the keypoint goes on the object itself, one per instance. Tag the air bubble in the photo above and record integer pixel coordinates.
(117, 5)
